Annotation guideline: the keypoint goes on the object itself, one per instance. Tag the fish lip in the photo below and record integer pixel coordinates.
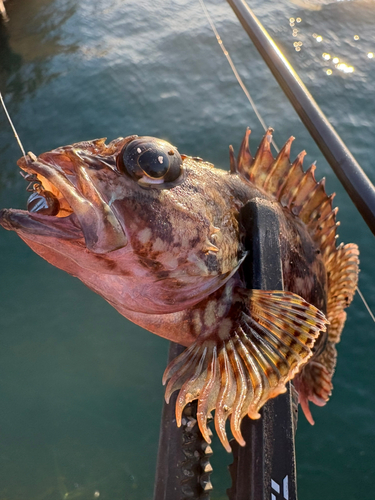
(64, 228)
(99, 226)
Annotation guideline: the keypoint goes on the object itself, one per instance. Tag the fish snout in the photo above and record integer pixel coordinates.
(68, 179)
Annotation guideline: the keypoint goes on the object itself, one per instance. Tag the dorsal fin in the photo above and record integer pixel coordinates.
(295, 189)
(244, 156)
(232, 161)
(279, 170)
(263, 160)
(299, 192)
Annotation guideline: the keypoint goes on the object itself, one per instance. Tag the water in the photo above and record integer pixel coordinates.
(315, 4)
(81, 390)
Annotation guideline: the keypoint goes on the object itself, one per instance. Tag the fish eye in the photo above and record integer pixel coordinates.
(150, 161)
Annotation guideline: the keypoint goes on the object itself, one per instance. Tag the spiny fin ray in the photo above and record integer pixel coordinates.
(237, 372)
(302, 195)
(295, 189)
(314, 383)
(342, 267)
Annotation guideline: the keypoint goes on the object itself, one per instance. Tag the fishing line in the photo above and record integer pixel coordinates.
(235, 72)
(251, 101)
(366, 305)
(13, 127)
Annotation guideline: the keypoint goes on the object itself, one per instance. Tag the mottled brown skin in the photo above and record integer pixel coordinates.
(166, 251)
(184, 243)
(167, 268)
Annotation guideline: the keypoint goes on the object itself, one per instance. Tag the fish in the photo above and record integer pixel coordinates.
(161, 236)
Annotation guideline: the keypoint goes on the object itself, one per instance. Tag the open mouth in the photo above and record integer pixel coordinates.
(48, 212)
(64, 201)
(45, 198)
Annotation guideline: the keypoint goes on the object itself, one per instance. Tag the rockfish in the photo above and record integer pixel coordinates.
(161, 237)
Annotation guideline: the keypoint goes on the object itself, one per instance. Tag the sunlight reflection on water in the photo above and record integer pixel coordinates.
(80, 383)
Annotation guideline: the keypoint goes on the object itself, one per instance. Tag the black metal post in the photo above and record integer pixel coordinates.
(265, 469)
(350, 174)
(183, 469)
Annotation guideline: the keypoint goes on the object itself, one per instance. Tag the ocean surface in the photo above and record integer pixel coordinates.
(80, 386)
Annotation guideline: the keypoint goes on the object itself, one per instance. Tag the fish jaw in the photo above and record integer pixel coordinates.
(27, 223)
(67, 173)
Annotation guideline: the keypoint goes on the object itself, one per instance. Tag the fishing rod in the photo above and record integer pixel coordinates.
(352, 177)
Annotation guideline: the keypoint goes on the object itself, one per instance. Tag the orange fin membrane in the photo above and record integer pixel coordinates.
(295, 189)
(343, 269)
(299, 192)
(242, 363)
(314, 383)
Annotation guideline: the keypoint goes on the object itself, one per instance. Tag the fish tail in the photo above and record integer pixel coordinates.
(343, 270)
(314, 383)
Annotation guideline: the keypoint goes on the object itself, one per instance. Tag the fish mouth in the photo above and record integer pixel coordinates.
(67, 174)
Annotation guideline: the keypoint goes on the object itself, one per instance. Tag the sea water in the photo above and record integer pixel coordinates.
(80, 392)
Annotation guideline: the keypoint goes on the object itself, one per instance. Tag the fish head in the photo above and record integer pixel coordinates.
(133, 219)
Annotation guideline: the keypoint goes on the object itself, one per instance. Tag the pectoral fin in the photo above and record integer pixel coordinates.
(246, 359)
